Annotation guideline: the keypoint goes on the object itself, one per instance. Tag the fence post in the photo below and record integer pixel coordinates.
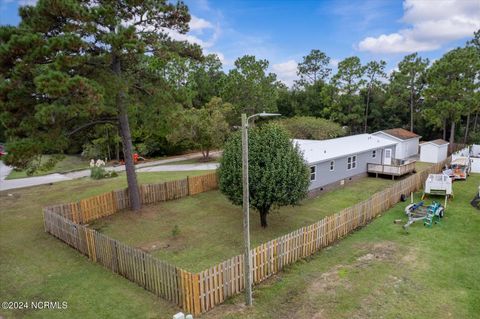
(188, 185)
(196, 295)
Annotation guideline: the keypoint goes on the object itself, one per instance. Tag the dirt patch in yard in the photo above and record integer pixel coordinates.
(329, 281)
(337, 277)
(170, 244)
(383, 251)
(146, 212)
(319, 297)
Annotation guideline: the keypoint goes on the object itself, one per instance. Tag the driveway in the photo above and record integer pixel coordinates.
(153, 166)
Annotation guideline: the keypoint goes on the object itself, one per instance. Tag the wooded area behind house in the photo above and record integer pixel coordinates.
(107, 80)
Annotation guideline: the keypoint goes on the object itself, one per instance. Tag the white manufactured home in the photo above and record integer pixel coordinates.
(407, 142)
(336, 161)
(433, 151)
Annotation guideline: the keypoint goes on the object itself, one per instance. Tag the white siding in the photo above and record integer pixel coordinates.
(405, 148)
(431, 153)
(410, 147)
(475, 164)
(442, 153)
(325, 176)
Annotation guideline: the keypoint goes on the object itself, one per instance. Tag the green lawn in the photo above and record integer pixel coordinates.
(377, 272)
(382, 272)
(210, 227)
(421, 166)
(69, 163)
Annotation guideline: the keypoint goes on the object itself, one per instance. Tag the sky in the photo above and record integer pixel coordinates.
(283, 32)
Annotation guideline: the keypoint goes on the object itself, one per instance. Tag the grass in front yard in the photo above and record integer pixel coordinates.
(378, 272)
(421, 166)
(69, 163)
(36, 266)
(210, 227)
(382, 272)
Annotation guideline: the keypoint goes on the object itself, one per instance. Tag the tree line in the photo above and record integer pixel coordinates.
(105, 79)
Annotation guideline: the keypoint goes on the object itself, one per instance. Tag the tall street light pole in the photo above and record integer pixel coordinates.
(246, 205)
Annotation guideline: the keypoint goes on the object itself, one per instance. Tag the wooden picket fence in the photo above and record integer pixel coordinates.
(95, 207)
(154, 275)
(199, 292)
(227, 278)
(68, 223)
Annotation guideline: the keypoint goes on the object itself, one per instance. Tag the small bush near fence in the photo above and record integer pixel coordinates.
(200, 292)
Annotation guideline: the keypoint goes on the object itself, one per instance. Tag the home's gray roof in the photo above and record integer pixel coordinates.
(322, 150)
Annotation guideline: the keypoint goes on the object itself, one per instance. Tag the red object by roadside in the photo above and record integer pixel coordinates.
(135, 158)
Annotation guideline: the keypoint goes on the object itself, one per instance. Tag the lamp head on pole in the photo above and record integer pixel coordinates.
(265, 114)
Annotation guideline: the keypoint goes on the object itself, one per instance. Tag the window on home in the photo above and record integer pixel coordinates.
(332, 166)
(374, 154)
(313, 171)
(351, 162)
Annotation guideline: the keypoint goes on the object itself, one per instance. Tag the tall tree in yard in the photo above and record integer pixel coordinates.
(374, 71)
(475, 42)
(208, 79)
(452, 85)
(313, 68)
(348, 81)
(278, 175)
(72, 62)
(407, 84)
(250, 88)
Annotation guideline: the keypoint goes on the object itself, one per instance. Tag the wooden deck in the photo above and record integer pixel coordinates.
(392, 170)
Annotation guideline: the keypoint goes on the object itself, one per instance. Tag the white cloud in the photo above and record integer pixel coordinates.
(199, 24)
(175, 35)
(433, 24)
(286, 71)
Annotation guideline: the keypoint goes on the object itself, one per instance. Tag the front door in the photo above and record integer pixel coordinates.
(387, 157)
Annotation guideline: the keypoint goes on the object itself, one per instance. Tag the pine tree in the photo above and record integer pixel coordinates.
(72, 64)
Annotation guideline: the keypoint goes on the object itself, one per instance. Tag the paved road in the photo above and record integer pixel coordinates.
(154, 166)
(180, 167)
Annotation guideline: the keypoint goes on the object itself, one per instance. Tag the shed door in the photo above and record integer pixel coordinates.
(387, 156)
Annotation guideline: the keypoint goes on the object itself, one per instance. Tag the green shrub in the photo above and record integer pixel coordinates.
(311, 128)
(98, 172)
